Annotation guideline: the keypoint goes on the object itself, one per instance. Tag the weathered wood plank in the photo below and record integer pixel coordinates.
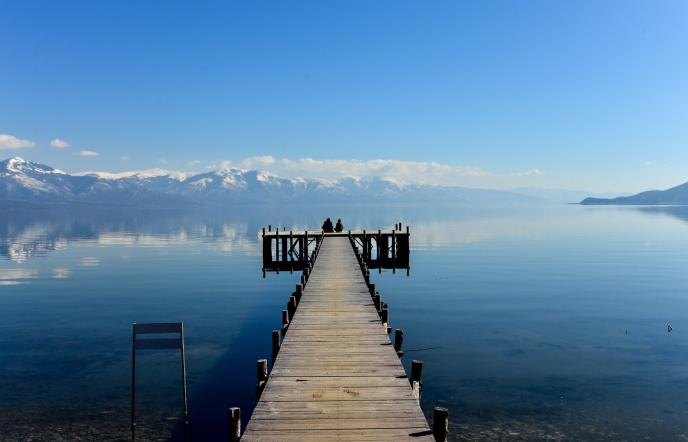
(337, 376)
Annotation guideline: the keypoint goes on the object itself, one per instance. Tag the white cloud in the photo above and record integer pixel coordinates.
(60, 144)
(88, 153)
(11, 142)
(398, 171)
(531, 172)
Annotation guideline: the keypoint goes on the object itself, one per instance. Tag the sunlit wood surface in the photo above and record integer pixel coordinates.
(337, 376)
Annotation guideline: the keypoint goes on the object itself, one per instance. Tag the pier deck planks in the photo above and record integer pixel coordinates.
(337, 376)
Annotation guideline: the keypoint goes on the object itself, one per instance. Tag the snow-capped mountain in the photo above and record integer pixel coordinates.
(29, 182)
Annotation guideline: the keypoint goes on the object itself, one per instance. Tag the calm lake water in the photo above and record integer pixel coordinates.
(532, 323)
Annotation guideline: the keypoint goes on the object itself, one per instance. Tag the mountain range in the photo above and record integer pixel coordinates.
(675, 196)
(27, 182)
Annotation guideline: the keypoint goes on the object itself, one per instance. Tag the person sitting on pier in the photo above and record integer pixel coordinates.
(327, 226)
(339, 227)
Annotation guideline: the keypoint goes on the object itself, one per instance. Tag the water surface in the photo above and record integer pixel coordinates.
(532, 323)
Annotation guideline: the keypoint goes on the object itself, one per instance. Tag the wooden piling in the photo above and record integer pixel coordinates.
(291, 307)
(285, 248)
(417, 371)
(285, 319)
(376, 302)
(415, 386)
(398, 341)
(234, 424)
(277, 249)
(261, 375)
(440, 424)
(275, 344)
(371, 288)
(305, 245)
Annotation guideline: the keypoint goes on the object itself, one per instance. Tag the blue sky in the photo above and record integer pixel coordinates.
(581, 95)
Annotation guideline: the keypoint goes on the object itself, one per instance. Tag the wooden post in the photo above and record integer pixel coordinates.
(133, 383)
(184, 393)
(371, 288)
(364, 244)
(384, 315)
(292, 307)
(277, 252)
(415, 387)
(291, 246)
(285, 319)
(417, 371)
(275, 344)
(379, 244)
(305, 246)
(299, 288)
(285, 249)
(300, 242)
(303, 279)
(394, 248)
(261, 376)
(398, 341)
(440, 424)
(376, 301)
(269, 227)
(234, 424)
(267, 250)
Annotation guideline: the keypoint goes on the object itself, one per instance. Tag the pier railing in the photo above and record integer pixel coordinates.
(288, 250)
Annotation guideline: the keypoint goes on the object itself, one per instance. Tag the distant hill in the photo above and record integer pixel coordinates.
(560, 196)
(675, 196)
(25, 182)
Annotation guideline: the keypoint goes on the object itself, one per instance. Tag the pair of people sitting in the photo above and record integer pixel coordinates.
(327, 226)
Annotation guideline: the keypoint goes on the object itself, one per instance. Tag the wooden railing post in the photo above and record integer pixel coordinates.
(291, 307)
(234, 424)
(398, 341)
(261, 376)
(275, 345)
(440, 424)
(285, 320)
(417, 371)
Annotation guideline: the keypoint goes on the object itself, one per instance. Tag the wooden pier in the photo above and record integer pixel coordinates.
(336, 375)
